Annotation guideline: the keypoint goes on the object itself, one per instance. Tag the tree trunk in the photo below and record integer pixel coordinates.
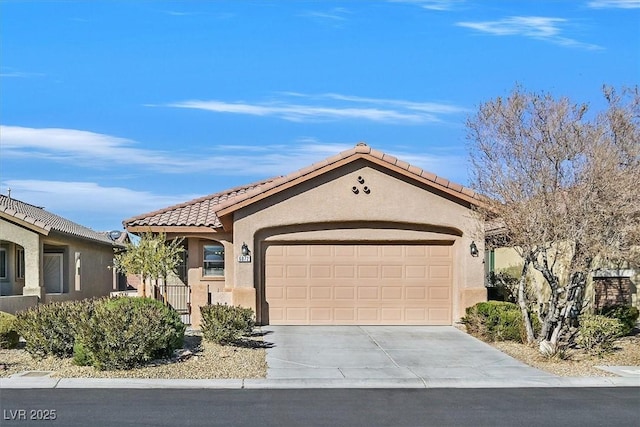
(522, 302)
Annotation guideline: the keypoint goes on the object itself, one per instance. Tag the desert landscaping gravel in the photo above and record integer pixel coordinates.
(198, 360)
(204, 360)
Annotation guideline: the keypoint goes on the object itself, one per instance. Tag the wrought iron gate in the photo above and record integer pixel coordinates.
(178, 296)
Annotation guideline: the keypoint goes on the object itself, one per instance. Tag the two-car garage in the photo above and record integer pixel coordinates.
(362, 284)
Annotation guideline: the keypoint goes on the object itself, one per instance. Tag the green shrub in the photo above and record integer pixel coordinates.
(597, 333)
(8, 335)
(225, 324)
(50, 329)
(497, 321)
(81, 356)
(627, 315)
(126, 332)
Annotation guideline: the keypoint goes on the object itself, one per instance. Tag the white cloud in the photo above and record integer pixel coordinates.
(331, 107)
(439, 5)
(88, 203)
(72, 145)
(11, 72)
(614, 4)
(88, 149)
(334, 14)
(536, 27)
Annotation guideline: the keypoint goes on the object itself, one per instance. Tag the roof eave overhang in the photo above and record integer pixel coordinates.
(225, 215)
(36, 226)
(135, 229)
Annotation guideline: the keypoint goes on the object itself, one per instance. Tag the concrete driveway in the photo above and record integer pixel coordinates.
(403, 353)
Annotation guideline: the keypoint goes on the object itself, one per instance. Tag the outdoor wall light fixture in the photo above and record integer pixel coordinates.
(245, 249)
(473, 249)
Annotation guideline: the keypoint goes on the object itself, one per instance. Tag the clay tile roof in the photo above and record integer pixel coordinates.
(48, 221)
(199, 212)
(203, 211)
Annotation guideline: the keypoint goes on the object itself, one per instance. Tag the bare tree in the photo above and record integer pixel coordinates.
(565, 188)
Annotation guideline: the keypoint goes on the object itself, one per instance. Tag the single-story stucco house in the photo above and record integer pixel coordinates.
(45, 257)
(358, 238)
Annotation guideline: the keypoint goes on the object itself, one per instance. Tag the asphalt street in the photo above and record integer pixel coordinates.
(322, 407)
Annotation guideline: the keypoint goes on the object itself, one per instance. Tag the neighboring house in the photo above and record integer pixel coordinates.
(358, 238)
(606, 286)
(44, 257)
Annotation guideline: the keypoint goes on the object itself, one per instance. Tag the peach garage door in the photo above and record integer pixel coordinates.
(339, 284)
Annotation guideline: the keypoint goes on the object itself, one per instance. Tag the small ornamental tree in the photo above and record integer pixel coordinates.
(564, 187)
(152, 258)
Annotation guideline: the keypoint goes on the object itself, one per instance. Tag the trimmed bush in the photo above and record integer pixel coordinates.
(81, 356)
(124, 333)
(597, 333)
(627, 315)
(225, 324)
(8, 334)
(496, 321)
(50, 329)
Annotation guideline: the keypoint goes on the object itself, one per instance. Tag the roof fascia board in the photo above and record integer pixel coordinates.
(29, 225)
(170, 229)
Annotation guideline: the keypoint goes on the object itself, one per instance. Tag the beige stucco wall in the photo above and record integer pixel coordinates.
(12, 234)
(326, 209)
(92, 276)
(95, 268)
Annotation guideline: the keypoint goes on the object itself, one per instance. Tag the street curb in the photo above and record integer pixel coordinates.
(306, 383)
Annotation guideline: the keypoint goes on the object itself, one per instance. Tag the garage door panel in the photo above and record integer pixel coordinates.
(296, 271)
(321, 293)
(296, 292)
(344, 271)
(344, 292)
(358, 284)
(320, 272)
(391, 272)
(391, 293)
(368, 272)
(416, 271)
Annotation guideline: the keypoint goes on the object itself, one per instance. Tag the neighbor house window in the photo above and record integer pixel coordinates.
(19, 263)
(213, 260)
(3, 263)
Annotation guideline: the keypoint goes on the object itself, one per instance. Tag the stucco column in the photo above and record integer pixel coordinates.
(34, 270)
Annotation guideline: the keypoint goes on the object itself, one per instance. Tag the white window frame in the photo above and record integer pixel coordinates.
(20, 263)
(3, 263)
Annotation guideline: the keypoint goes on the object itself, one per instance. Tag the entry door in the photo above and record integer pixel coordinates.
(53, 282)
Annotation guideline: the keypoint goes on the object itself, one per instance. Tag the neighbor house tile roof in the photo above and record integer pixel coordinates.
(204, 211)
(199, 212)
(48, 221)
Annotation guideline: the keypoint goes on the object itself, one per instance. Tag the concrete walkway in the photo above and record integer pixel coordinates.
(364, 357)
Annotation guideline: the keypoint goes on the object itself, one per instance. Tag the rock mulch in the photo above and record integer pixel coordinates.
(197, 360)
(577, 363)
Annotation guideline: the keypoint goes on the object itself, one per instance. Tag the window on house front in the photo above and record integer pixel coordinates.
(19, 263)
(3, 263)
(213, 264)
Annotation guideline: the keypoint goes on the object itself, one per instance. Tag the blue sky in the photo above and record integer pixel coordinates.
(110, 109)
